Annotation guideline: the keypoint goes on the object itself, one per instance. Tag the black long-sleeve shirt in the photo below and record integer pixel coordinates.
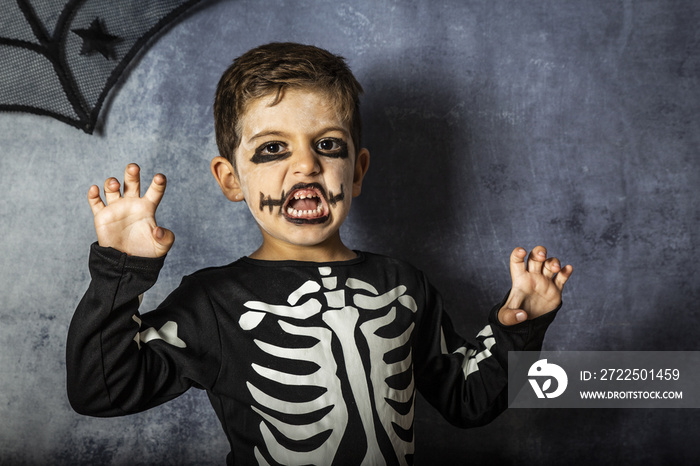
(303, 362)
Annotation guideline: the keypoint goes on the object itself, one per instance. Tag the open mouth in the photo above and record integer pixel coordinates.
(306, 203)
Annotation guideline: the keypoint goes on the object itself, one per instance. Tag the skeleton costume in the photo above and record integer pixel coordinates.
(303, 362)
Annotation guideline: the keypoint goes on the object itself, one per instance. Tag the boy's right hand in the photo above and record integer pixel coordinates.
(127, 223)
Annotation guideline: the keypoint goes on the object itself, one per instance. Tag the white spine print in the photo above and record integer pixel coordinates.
(342, 321)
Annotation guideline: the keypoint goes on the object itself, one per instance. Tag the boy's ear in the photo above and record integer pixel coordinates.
(361, 166)
(225, 175)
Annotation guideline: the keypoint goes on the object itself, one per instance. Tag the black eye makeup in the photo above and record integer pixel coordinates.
(332, 147)
(274, 150)
(269, 152)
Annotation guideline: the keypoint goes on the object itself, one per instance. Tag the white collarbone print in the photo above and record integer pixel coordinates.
(347, 349)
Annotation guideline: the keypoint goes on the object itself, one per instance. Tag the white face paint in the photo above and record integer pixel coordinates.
(297, 170)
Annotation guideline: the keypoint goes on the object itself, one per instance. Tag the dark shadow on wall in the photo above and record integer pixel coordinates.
(407, 205)
(407, 210)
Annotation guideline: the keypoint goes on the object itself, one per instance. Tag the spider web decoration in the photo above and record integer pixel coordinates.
(61, 58)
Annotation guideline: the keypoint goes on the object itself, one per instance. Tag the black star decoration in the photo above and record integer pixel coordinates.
(96, 39)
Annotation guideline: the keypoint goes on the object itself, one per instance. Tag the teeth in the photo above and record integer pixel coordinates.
(304, 213)
(317, 212)
(304, 196)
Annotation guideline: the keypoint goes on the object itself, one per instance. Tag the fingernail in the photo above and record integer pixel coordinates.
(160, 233)
(520, 316)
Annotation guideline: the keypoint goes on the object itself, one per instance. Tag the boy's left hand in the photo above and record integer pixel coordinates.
(537, 285)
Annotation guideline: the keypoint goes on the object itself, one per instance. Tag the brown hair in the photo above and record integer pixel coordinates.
(270, 69)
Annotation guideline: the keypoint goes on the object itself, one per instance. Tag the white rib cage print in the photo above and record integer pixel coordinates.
(392, 405)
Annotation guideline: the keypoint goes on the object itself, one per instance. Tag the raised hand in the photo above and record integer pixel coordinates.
(537, 285)
(127, 223)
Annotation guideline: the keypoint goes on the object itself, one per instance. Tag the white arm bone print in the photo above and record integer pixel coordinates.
(167, 333)
(472, 357)
(369, 398)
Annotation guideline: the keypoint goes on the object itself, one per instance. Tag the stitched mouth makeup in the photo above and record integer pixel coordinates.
(306, 203)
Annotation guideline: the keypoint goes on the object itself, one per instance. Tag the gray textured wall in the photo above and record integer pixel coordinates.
(491, 124)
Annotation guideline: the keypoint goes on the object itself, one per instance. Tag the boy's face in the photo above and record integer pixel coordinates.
(297, 169)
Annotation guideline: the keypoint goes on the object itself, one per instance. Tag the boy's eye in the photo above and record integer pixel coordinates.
(269, 152)
(272, 148)
(332, 147)
(328, 145)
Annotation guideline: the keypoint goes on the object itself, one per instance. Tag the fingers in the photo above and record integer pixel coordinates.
(111, 190)
(517, 262)
(156, 189)
(563, 276)
(511, 316)
(538, 263)
(536, 259)
(132, 181)
(551, 267)
(95, 200)
(165, 239)
(132, 188)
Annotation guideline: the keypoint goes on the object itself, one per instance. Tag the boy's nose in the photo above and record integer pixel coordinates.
(306, 162)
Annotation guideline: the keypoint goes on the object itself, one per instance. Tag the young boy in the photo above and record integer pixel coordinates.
(310, 352)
